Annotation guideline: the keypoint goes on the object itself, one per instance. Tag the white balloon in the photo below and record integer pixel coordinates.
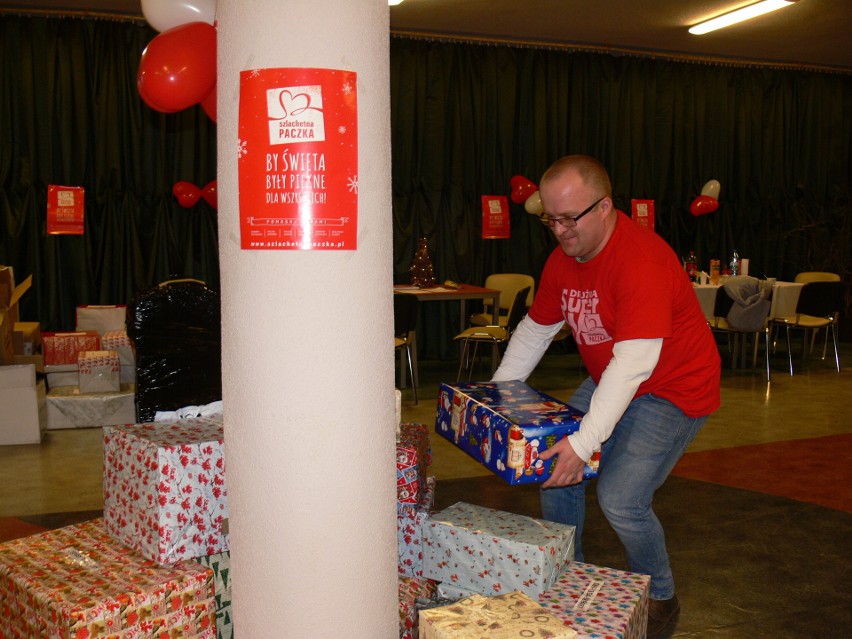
(712, 189)
(533, 204)
(163, 15)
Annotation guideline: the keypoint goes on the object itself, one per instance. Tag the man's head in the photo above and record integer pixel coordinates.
(575, 186)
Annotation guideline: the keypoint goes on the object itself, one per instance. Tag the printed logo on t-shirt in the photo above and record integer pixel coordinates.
(580, 311)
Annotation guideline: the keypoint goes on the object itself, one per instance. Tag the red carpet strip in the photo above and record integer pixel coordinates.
(814, 470)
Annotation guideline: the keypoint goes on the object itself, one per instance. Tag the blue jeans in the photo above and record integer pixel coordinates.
(651, 436)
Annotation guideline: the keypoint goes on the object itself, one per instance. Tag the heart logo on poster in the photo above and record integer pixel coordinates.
(294, 104)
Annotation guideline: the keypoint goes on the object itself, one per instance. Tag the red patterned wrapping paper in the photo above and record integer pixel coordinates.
(600, 602)
(63, 348)
(112, 340)
(78, 582)
(99, 371)
(413, 456)
(409, 532)
(164, 487)
(410, 590)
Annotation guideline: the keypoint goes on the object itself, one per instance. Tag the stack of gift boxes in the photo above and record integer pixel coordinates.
(496, 569)
(156, 564)
(91, 371)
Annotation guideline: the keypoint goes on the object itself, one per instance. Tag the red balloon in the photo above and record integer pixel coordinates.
(522, 188)
(187, 194)
(209, 194)
(703, 204)
(209, 105)
(178, 67)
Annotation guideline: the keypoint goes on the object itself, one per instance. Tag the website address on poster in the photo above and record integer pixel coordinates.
(290, 244)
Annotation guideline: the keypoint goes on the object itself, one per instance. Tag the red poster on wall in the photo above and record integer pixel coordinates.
(643, 212)
(495, 217)
(298, 159)
(65, 208)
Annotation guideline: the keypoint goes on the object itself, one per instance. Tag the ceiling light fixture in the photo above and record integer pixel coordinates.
(746, 13)
(393, 3)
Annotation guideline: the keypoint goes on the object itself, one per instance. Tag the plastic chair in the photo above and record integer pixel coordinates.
(817, 276)
(508, 284)
(818, 307)
(493, 335)
(719, 324)
(404, 324)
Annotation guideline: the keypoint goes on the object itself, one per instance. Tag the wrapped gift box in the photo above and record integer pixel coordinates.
(412, 461)
(492, 552)
(62, 375)
(509, 616)
(119, 341)
(164, 488)
(68, 408)
(409, 532)
(79, 581)
(600, 602)
(505, 425)
(410, 590)
(64, 348)
(220, 564)
(99, 371)
(101, 318)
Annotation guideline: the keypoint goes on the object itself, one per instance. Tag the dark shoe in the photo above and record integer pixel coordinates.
(662, 616)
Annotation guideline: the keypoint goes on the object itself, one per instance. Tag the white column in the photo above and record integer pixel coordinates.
(307, 355)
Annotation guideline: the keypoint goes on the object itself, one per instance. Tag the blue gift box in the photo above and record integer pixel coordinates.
(505, 426)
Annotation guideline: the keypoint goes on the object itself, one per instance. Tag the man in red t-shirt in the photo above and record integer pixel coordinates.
(654, 368)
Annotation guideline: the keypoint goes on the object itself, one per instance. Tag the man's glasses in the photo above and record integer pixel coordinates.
(567, 221)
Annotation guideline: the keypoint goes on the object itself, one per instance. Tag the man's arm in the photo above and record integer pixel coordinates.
(632, 363)
(526, 347)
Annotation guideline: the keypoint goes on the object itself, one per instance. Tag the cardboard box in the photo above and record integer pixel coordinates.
(10, 295)
(99, 371)
(600, 602)
(79, 582)
(68, 408)
(164, 488)
(26, 338)
(101, 318)
(35, 360)
(64, 348)
(409, 532)
(23, 416)
(508, 616)
(505, 425)
(492, 552)
(413, 456)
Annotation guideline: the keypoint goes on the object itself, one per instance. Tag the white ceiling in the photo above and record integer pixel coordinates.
(810, 32)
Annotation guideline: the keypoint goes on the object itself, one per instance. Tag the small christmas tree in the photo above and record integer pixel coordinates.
(422, 273)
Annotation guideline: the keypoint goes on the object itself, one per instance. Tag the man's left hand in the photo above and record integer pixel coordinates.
(567, 469)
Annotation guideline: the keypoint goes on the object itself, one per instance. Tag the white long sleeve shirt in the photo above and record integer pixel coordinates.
(632, 363)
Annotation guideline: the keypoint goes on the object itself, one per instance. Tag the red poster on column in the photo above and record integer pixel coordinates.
(298, 159)
(495, 217)
(643, 212)
(65, 209)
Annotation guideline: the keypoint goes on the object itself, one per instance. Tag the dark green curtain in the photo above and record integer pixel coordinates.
(465, 119)
(468, 117)
(70, 114)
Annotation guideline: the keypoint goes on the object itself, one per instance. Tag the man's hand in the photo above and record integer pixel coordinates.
(567, 469)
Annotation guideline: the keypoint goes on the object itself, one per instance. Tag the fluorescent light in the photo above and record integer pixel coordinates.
(746, 13)
(393, 3)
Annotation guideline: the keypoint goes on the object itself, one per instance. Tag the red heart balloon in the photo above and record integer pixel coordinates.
(178, 67)
(187, 193)
(703, 204)
(209, 194)
(522, 188)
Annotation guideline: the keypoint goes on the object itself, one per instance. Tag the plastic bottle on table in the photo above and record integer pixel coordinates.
(735, 264)
(692, 267)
